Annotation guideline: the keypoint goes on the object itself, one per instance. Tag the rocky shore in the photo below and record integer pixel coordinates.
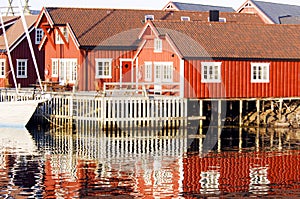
(271, 116)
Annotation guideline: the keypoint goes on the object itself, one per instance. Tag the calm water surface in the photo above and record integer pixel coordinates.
(149, 163)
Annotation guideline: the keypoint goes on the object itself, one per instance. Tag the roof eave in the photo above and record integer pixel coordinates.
(125, 48)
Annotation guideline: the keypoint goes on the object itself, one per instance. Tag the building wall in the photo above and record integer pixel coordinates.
(59, 51)
(88, 72)
(236, 80)
(147, 54)
(3, 80)
(22, 51)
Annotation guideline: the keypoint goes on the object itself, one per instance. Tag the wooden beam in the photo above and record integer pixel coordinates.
(48, 36)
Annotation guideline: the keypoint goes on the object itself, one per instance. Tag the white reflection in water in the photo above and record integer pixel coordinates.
(259, 182)
(210, 182)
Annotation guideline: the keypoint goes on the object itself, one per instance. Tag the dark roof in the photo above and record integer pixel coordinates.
(103, 27)
(276, 10)
(202, 8)
(232, 40)
(290, 20)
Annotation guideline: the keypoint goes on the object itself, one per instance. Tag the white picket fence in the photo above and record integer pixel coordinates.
(119, 110)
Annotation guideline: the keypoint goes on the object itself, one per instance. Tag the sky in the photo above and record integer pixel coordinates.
(134, 4)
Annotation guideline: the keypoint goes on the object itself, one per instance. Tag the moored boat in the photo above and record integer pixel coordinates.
(17, 113)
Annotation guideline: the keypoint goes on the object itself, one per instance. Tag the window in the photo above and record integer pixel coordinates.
(184, 18)
(148, 71)
(21, 68)
(58, 39)
(67, 71)
(211, 72)
(54, 67)
(157, 45)
(38, 35)
(260, 72)
(149, 17)
(2, 68)
(103, 68)
(163, 72)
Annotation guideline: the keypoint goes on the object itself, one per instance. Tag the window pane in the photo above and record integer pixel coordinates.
(100, 69)
(264, 71)
(254, 72)
(259, 72)
(210, 72)
(216, 72)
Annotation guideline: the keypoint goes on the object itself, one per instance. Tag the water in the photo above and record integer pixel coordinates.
(40, 162)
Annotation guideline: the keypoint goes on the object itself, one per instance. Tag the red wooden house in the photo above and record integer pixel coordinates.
(21, 56)
(88, 47)
(222, 60)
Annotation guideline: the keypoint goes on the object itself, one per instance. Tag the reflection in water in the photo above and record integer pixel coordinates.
(150, 162)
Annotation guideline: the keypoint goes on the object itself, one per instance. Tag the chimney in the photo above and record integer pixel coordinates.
(214, 15)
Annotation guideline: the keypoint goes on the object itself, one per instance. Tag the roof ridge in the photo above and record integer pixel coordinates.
(254, 1)
(200, 4)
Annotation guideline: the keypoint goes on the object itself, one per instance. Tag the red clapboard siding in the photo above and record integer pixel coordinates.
(236, 80)
(21, 51)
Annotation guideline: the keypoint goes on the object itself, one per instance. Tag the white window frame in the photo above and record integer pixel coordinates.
(149, 17)
(67, 70)
(64, 31)
(157, 45)
(23, 71)
(185, 18)
(163, 72)
(260, 72)
(2, 68)
(54, 67)
(148, 71)
(39, 33)
(211, 72)
(97, 69)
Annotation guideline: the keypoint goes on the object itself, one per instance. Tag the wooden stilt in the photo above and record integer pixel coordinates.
(200, 113)
(272, 105)
(280, 109)
(257, 139)
(219, 113)
(258, 111)
(241, 114)
(219, 138)
(240, 139)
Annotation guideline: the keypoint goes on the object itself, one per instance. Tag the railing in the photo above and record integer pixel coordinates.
(144, 89)
(116, 111)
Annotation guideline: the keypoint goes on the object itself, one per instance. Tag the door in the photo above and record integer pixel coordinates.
(126, 71)
(157, 78)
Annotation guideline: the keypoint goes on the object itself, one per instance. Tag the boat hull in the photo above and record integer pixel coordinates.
(17, 113)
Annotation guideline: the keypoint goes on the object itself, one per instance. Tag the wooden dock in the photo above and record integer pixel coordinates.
(109, 111)
(127, 107)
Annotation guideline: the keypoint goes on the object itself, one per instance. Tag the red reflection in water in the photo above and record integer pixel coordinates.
(245, 173)
(258, 173)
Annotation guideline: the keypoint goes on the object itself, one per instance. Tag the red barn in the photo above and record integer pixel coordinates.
(21, 55)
